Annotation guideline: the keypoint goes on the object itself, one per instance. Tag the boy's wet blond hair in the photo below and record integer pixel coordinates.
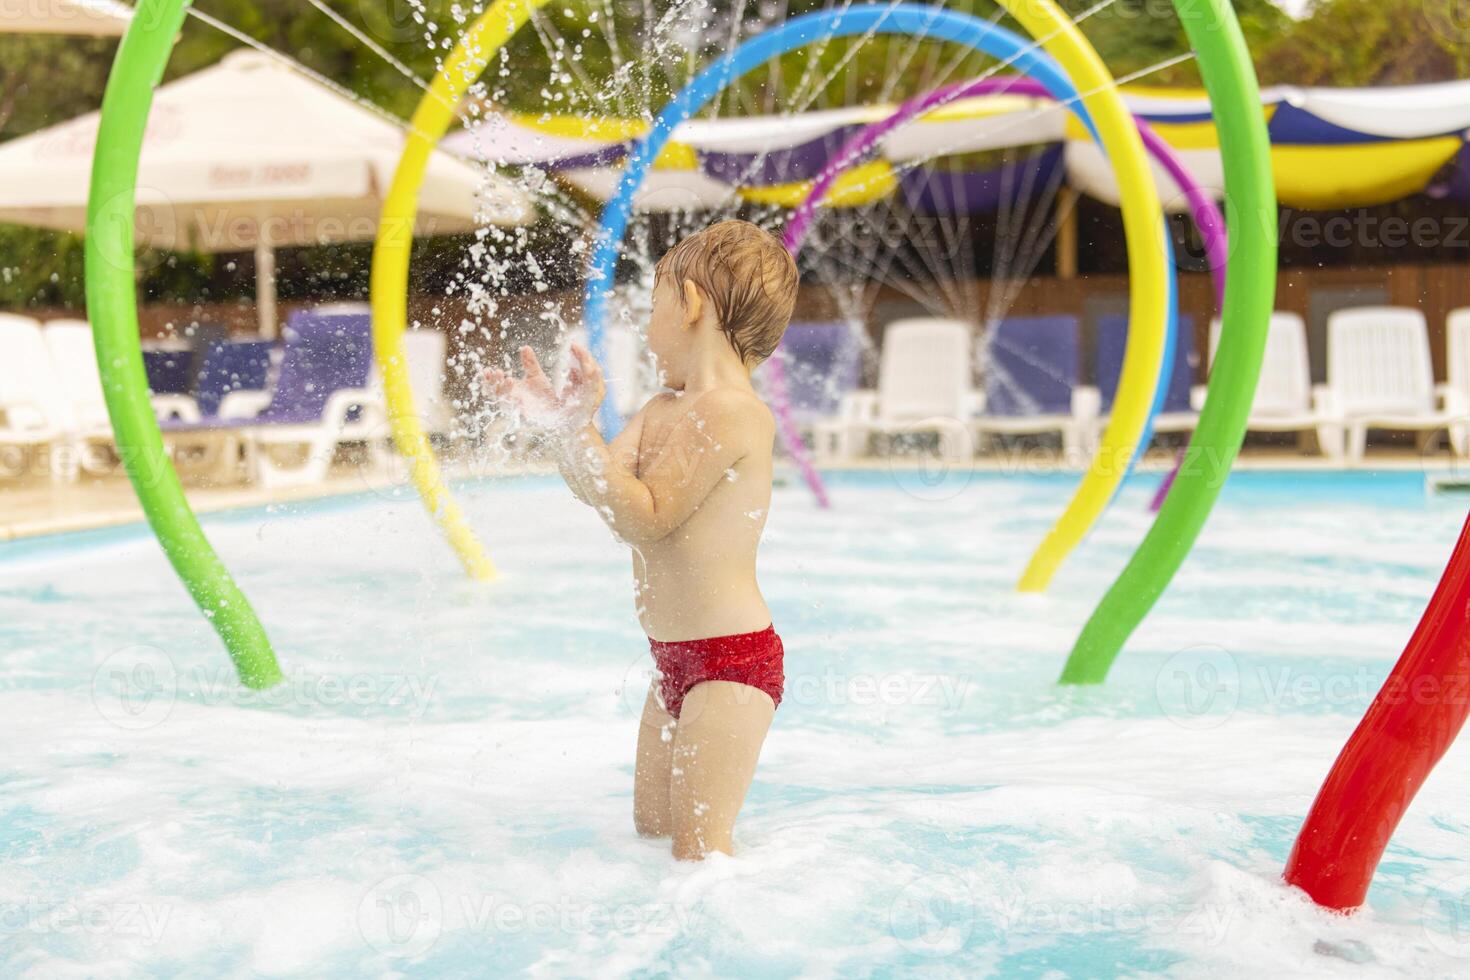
(746, 275)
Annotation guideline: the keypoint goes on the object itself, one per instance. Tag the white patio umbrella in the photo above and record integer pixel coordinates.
(250, 154)
(98, 18)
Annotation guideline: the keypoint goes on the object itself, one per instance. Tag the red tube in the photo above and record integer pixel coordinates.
(1409, 726)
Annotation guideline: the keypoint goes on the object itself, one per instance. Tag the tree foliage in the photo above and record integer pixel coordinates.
(1372, 42)
(565, 60)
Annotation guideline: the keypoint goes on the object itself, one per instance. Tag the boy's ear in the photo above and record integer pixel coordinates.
(693, 303)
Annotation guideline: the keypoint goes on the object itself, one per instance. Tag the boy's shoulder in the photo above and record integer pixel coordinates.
(733, 415)
(731, 407)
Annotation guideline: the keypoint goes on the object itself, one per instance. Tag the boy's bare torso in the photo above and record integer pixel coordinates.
(699, 581)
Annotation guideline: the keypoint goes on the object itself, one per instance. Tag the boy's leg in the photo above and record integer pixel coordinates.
(651, 771)
(722, 727)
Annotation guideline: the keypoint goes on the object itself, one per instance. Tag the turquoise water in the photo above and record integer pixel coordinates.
(443, 785)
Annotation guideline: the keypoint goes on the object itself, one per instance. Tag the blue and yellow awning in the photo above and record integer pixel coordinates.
(1331, 148)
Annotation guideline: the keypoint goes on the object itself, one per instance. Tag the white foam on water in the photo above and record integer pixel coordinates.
(444, 783)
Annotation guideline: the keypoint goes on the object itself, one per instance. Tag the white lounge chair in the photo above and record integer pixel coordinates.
(923, 386)
(1379, 375)
(323, 397)
(1286, 400)
(79, 385)
(32, 418)
(231, 385)
(1457, 391)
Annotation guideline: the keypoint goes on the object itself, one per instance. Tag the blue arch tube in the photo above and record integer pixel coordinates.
(906, 19)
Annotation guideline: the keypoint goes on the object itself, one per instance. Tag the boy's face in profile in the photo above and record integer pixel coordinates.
(668, 335)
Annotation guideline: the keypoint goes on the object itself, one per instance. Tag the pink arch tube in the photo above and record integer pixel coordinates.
(1206, 215)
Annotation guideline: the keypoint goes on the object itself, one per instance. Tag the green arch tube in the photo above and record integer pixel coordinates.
(1250, 293)
(112, 307)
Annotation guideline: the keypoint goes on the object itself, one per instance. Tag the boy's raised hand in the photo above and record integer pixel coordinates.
(536, 400)
(584, 388)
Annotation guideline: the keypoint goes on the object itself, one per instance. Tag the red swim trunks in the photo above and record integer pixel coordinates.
(754, 659)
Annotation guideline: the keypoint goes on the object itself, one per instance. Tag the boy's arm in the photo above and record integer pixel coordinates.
(714, 434)
(622, 452)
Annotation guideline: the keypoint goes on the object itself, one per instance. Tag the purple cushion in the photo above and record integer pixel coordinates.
(324, 353)
(1112, 342)
(168, 371)
(1032, 366)
(231, 366)
(823, 361)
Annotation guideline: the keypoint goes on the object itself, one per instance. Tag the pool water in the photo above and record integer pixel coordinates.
(443, 785)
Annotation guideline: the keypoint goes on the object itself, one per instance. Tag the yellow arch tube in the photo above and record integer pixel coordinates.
(389, 287)
(1148, 303)
(1148, 285)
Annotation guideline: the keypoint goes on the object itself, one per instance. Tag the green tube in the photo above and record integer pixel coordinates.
(1250, 292)
(112, 307)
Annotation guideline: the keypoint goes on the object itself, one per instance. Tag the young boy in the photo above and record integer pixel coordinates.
(686, 485)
